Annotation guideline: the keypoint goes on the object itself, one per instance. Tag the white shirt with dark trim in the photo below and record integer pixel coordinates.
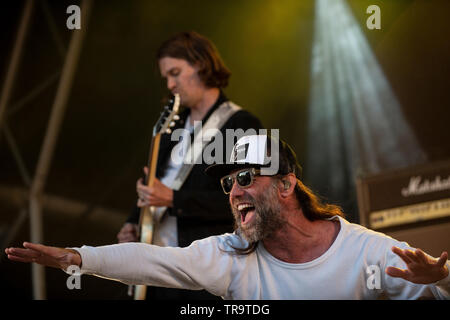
(166, 234)
(352, 268)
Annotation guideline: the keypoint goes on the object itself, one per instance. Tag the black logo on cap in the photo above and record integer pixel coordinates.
(240, 152)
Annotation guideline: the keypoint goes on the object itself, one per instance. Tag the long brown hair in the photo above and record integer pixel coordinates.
(198, 51)
(312, 206)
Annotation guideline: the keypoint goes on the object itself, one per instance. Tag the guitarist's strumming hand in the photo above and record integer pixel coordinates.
(158, 196)
(128, 233)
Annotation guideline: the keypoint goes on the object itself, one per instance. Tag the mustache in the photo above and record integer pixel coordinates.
(244, 198)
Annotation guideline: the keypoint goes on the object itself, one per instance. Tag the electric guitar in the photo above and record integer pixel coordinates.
(147, 214)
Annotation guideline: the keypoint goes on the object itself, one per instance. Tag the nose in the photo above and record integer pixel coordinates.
(170, 83)
(236, 191)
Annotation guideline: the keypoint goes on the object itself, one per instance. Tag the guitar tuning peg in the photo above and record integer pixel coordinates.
(168, 131)
(176, 117)
(172, 124)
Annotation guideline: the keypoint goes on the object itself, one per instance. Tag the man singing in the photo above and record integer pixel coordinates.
(287, 244)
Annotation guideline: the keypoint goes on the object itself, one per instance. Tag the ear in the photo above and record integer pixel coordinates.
(288, 185)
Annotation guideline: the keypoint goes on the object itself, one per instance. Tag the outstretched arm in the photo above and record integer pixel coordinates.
(420, 267)
(45, 255)
(202, 265)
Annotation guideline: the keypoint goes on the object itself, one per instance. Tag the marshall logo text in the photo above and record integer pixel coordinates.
(417, 186)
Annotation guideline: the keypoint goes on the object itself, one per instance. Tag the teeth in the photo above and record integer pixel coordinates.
(242, 206)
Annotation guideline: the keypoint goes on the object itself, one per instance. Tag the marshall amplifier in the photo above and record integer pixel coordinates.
(411, 205)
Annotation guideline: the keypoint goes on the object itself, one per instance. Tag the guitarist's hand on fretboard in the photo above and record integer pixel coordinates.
(158, 196)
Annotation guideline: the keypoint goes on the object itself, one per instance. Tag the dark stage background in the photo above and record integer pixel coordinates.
(116, 97)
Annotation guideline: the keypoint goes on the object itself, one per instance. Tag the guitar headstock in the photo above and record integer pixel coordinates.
(168, 116)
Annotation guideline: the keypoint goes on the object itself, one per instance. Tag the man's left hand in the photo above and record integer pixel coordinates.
(421, 268)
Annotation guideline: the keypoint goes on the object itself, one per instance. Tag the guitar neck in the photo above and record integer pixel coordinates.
(153, 160)
(145, 230)
(146, 220)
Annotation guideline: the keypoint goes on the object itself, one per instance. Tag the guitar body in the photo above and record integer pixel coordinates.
(148, 214)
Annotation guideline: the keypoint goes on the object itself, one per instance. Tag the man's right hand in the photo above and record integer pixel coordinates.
(45, 255)
(128, 233)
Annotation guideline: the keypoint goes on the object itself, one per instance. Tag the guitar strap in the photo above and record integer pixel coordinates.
(195, 150)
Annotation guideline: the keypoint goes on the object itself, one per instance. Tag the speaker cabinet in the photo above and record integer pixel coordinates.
(410, 204)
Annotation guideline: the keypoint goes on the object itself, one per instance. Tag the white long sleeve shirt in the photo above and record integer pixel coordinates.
(352, 268)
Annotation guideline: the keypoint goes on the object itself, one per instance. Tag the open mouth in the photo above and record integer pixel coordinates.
(246, 210)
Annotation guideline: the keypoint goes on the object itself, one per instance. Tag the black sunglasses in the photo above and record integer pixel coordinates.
(244, 178)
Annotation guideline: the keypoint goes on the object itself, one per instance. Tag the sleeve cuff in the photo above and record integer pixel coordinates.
(88, 259)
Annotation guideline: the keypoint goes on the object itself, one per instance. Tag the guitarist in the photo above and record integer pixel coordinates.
(193, 68)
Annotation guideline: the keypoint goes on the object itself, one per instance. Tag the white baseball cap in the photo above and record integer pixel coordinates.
(276, 157)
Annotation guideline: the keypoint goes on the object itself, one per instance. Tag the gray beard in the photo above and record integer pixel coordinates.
(267, 217)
